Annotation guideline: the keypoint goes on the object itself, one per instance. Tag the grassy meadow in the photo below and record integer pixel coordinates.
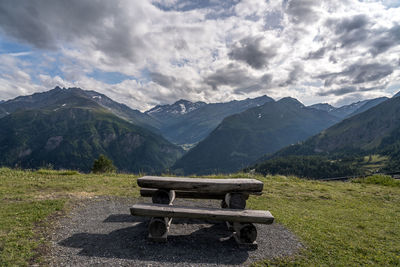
(340, 223)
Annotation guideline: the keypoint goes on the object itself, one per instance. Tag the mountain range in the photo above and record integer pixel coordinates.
(375, 131)
(68, 128)
(44, 99)
(185, 122)
(352, 109)
(365, 131)
(242, 138)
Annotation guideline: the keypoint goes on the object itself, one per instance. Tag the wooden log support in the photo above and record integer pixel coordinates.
(220, 186)
(245, 233)
(149, 192)
(236, 200)
(162, 196)
(158, 228)
(231, 215)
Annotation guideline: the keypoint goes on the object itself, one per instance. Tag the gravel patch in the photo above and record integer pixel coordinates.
(101, 232)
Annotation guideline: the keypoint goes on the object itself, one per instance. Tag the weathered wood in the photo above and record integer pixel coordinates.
(236, 200)
(246, 233)
(148, 192)
(162, 196)
(201, 184)
(158, 228)
(223, 204)
(231, 215)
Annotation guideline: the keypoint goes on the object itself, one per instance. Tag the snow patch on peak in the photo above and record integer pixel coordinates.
(183, 108)
(97, 96)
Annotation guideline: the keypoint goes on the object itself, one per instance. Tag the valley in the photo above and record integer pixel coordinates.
(69, 128)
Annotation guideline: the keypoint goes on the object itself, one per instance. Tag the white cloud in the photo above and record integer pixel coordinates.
(177, 54)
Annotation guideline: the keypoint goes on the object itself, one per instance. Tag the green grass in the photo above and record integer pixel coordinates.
(28, 198)
(340, 224)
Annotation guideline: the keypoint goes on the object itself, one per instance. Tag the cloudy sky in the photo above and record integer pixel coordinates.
(144, 53)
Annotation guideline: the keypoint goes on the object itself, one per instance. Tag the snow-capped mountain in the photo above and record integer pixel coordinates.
(179, 107)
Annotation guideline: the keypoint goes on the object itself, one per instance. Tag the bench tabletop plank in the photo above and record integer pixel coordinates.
(201, 184)
(244, 216)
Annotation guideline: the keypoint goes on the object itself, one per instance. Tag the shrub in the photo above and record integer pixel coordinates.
(378, 179)
(103, 165)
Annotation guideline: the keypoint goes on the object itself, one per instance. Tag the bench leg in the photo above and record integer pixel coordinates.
(162, 196)
(236, 200)
(158, 228)
(245, 233)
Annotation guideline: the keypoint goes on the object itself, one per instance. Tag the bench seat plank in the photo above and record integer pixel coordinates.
(203, 185)
(244, 216)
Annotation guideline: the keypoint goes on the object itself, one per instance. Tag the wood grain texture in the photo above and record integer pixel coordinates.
(201, 184)
(158, 210)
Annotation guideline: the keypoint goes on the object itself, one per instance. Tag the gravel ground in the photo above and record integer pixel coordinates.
(101, 232)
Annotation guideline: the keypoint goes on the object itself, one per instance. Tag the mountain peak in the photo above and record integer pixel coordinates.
(323, 106)
(397, 94)
(183, 101)
(180, 107)
(290, 101)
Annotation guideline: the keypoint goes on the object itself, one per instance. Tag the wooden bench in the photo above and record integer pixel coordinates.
(232, 192)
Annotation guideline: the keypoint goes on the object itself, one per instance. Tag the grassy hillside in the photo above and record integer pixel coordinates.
(340, 223)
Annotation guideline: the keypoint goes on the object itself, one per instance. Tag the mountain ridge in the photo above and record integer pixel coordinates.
(192, 127)
(241, 138)
(71, 131)
(349, 110)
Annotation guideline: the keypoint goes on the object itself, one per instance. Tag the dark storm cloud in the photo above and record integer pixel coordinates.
(347, 25)
(351, 89)
(46, 24)
(188, 5)
(256, 84)
(230, 75)
(318, 54)
(235, 76)
(373, 88)
(358, 73)
(294, 75)
(21, 22)
(302, 11)
(251, 51)
(350, 31)
(386, 40)
(163, 80)
(338, 92)
(266, 79)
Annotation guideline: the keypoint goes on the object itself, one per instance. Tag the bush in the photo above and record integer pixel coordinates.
(103, 165)
(378, 179)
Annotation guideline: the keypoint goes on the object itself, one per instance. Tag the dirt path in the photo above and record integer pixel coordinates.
(101, 232)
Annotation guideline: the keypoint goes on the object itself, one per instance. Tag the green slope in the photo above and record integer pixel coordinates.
(349, 146)
(362, 132)
(72, 132)
(242, 138)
